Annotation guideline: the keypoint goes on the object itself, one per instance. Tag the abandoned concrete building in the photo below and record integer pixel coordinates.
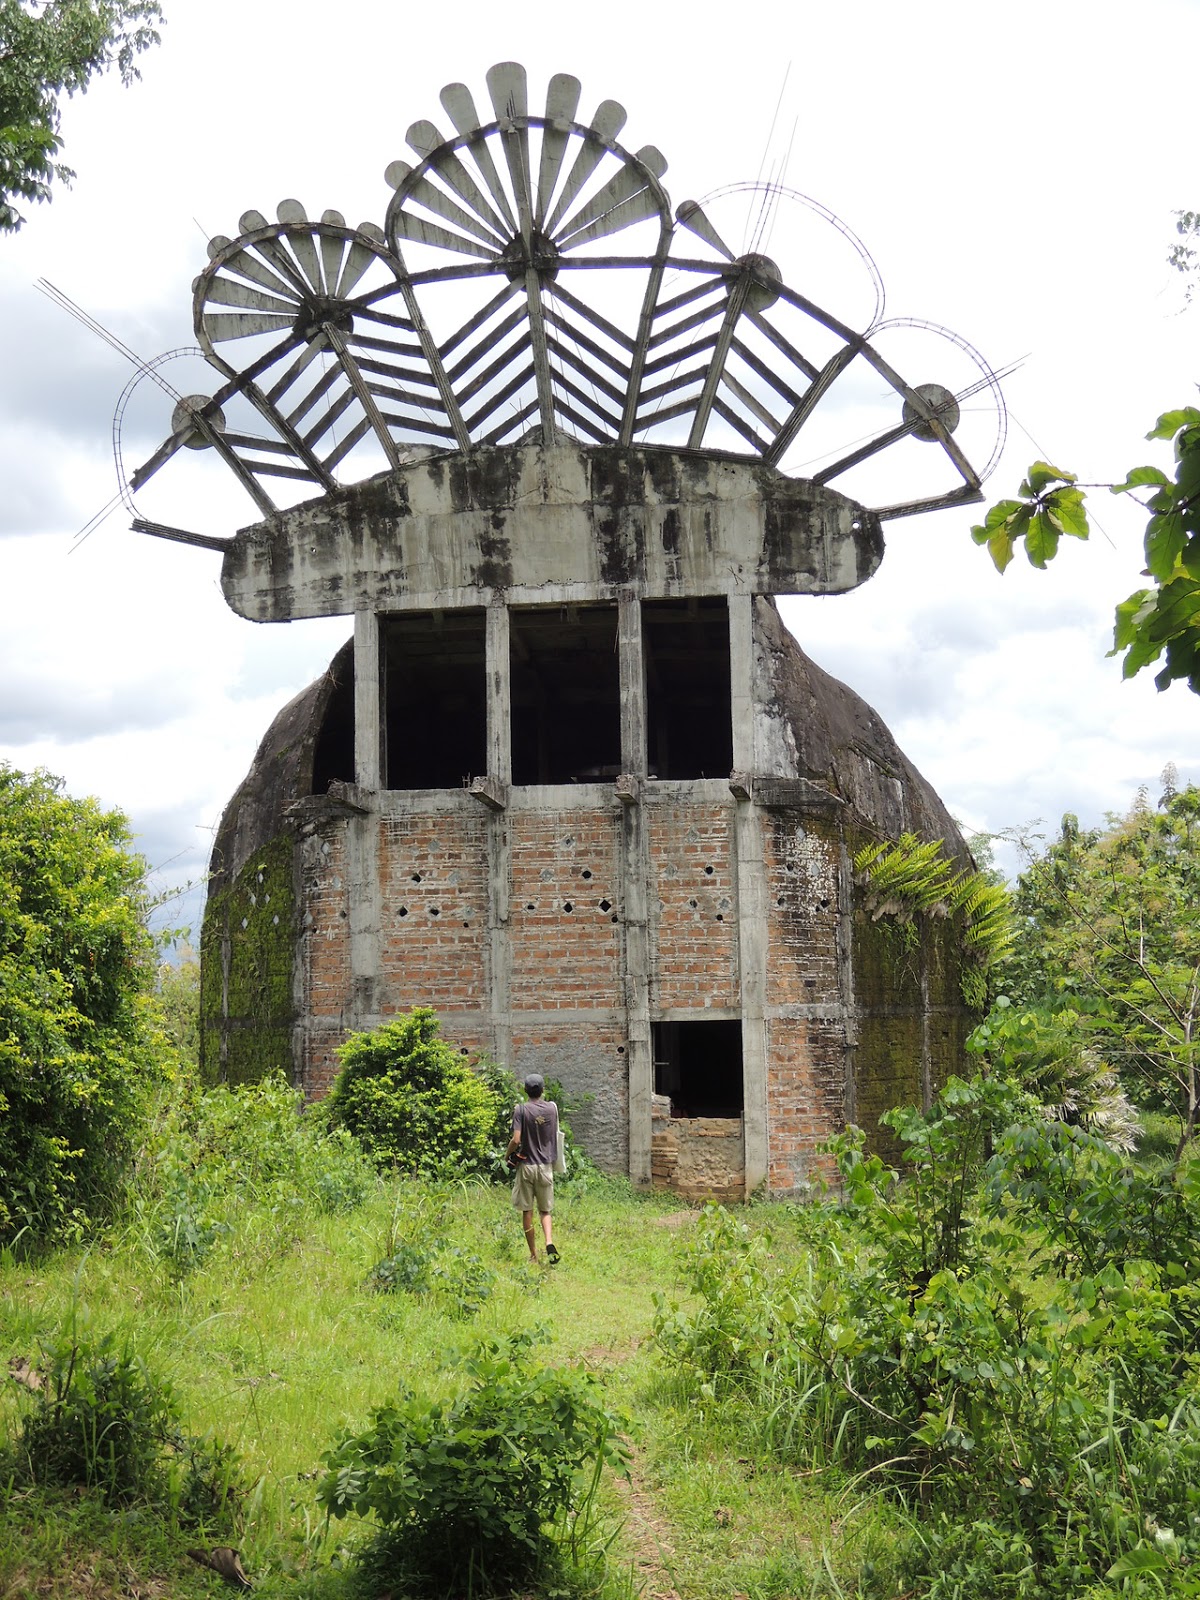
(572, 782)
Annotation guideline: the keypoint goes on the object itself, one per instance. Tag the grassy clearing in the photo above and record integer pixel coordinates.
(277, 1344)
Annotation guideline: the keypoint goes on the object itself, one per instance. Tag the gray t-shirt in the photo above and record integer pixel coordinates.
(537, 1124)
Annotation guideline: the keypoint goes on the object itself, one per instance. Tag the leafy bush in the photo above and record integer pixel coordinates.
(103, 1420)
(1005, 1337)
(465, 1491)
(405, 1271)
(413, 1101)
(457, 1277)
(78, 1043)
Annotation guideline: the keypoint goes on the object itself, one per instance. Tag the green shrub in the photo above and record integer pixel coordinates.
(1004, 1337)
(413, 1101)
(405, 1271)
(465, 1492)
(104, 1421)
(78, 1042)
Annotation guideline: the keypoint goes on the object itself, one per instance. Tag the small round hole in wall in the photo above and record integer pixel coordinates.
(613, 918)
(529, 905)
(720, 917)
(435, 911)
(568, 906)
(466, 924)
(464, 1051)
(340, 914)
(708, 872)
(825, 903)
(780, 901)
(693, 904)
(620, 1049)
(403, 911)
(586, 873)
(416, 877)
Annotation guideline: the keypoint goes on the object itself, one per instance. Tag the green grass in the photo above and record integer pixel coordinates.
(277, 1344)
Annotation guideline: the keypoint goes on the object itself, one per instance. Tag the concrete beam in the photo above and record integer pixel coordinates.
(551, 525)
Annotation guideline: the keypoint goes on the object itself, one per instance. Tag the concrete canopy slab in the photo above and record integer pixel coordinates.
(551, 524)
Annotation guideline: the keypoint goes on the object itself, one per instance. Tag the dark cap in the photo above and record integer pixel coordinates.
(534, 1083)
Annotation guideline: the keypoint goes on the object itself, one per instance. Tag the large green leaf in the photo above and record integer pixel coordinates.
(1145, 1558)
(1041, 540)
(1139, 477)
(1066, 511)
(1040, 475)
(1165, 539)
(1169, 424)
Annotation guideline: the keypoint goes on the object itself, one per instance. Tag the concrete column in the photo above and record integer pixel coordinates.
(752, 896)
(499, 760)
(364, 908)
(368, 709)
(635, 874)
(632, 667)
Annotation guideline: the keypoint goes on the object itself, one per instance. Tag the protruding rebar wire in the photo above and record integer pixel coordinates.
(64, 303)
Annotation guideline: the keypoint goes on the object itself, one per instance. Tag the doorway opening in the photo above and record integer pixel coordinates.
(699, 1066)
(435, 698)
(689, 719)
(566, 694)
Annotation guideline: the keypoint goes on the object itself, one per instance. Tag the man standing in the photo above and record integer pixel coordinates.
(533, 1148)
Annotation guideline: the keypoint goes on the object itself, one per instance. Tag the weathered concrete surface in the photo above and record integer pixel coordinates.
(539, 524)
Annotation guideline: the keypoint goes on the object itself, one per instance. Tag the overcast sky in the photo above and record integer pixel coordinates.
(1012, 169)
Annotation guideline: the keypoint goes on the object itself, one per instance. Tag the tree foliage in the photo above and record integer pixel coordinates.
(1112, 933)
(1162, 618)
(49, 48)
(78, 1040)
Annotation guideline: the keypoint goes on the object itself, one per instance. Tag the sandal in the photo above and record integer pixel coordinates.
(552, 1254)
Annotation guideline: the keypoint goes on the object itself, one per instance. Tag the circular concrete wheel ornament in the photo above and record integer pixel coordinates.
(183, 421)
(942, 403)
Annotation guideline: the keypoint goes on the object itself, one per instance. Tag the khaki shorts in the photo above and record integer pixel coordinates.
(534, 1188)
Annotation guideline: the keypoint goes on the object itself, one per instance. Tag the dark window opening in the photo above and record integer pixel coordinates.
(566, 694)
(699, 1065)
(689, 718)
(333, 753)
(435, 698)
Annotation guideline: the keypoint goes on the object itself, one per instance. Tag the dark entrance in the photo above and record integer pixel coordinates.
(699, 1065)
(566, 694)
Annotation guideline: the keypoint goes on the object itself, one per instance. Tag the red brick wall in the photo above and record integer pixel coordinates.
(801, 864)
(692, 876)
(805, 1098)
(433, 922)
(325, 927)
(565, 959)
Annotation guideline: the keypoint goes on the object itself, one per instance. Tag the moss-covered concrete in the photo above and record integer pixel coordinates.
(247, 950)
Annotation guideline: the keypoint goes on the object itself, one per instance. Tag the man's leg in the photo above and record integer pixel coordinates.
(551, 1247)
(530, 1236)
